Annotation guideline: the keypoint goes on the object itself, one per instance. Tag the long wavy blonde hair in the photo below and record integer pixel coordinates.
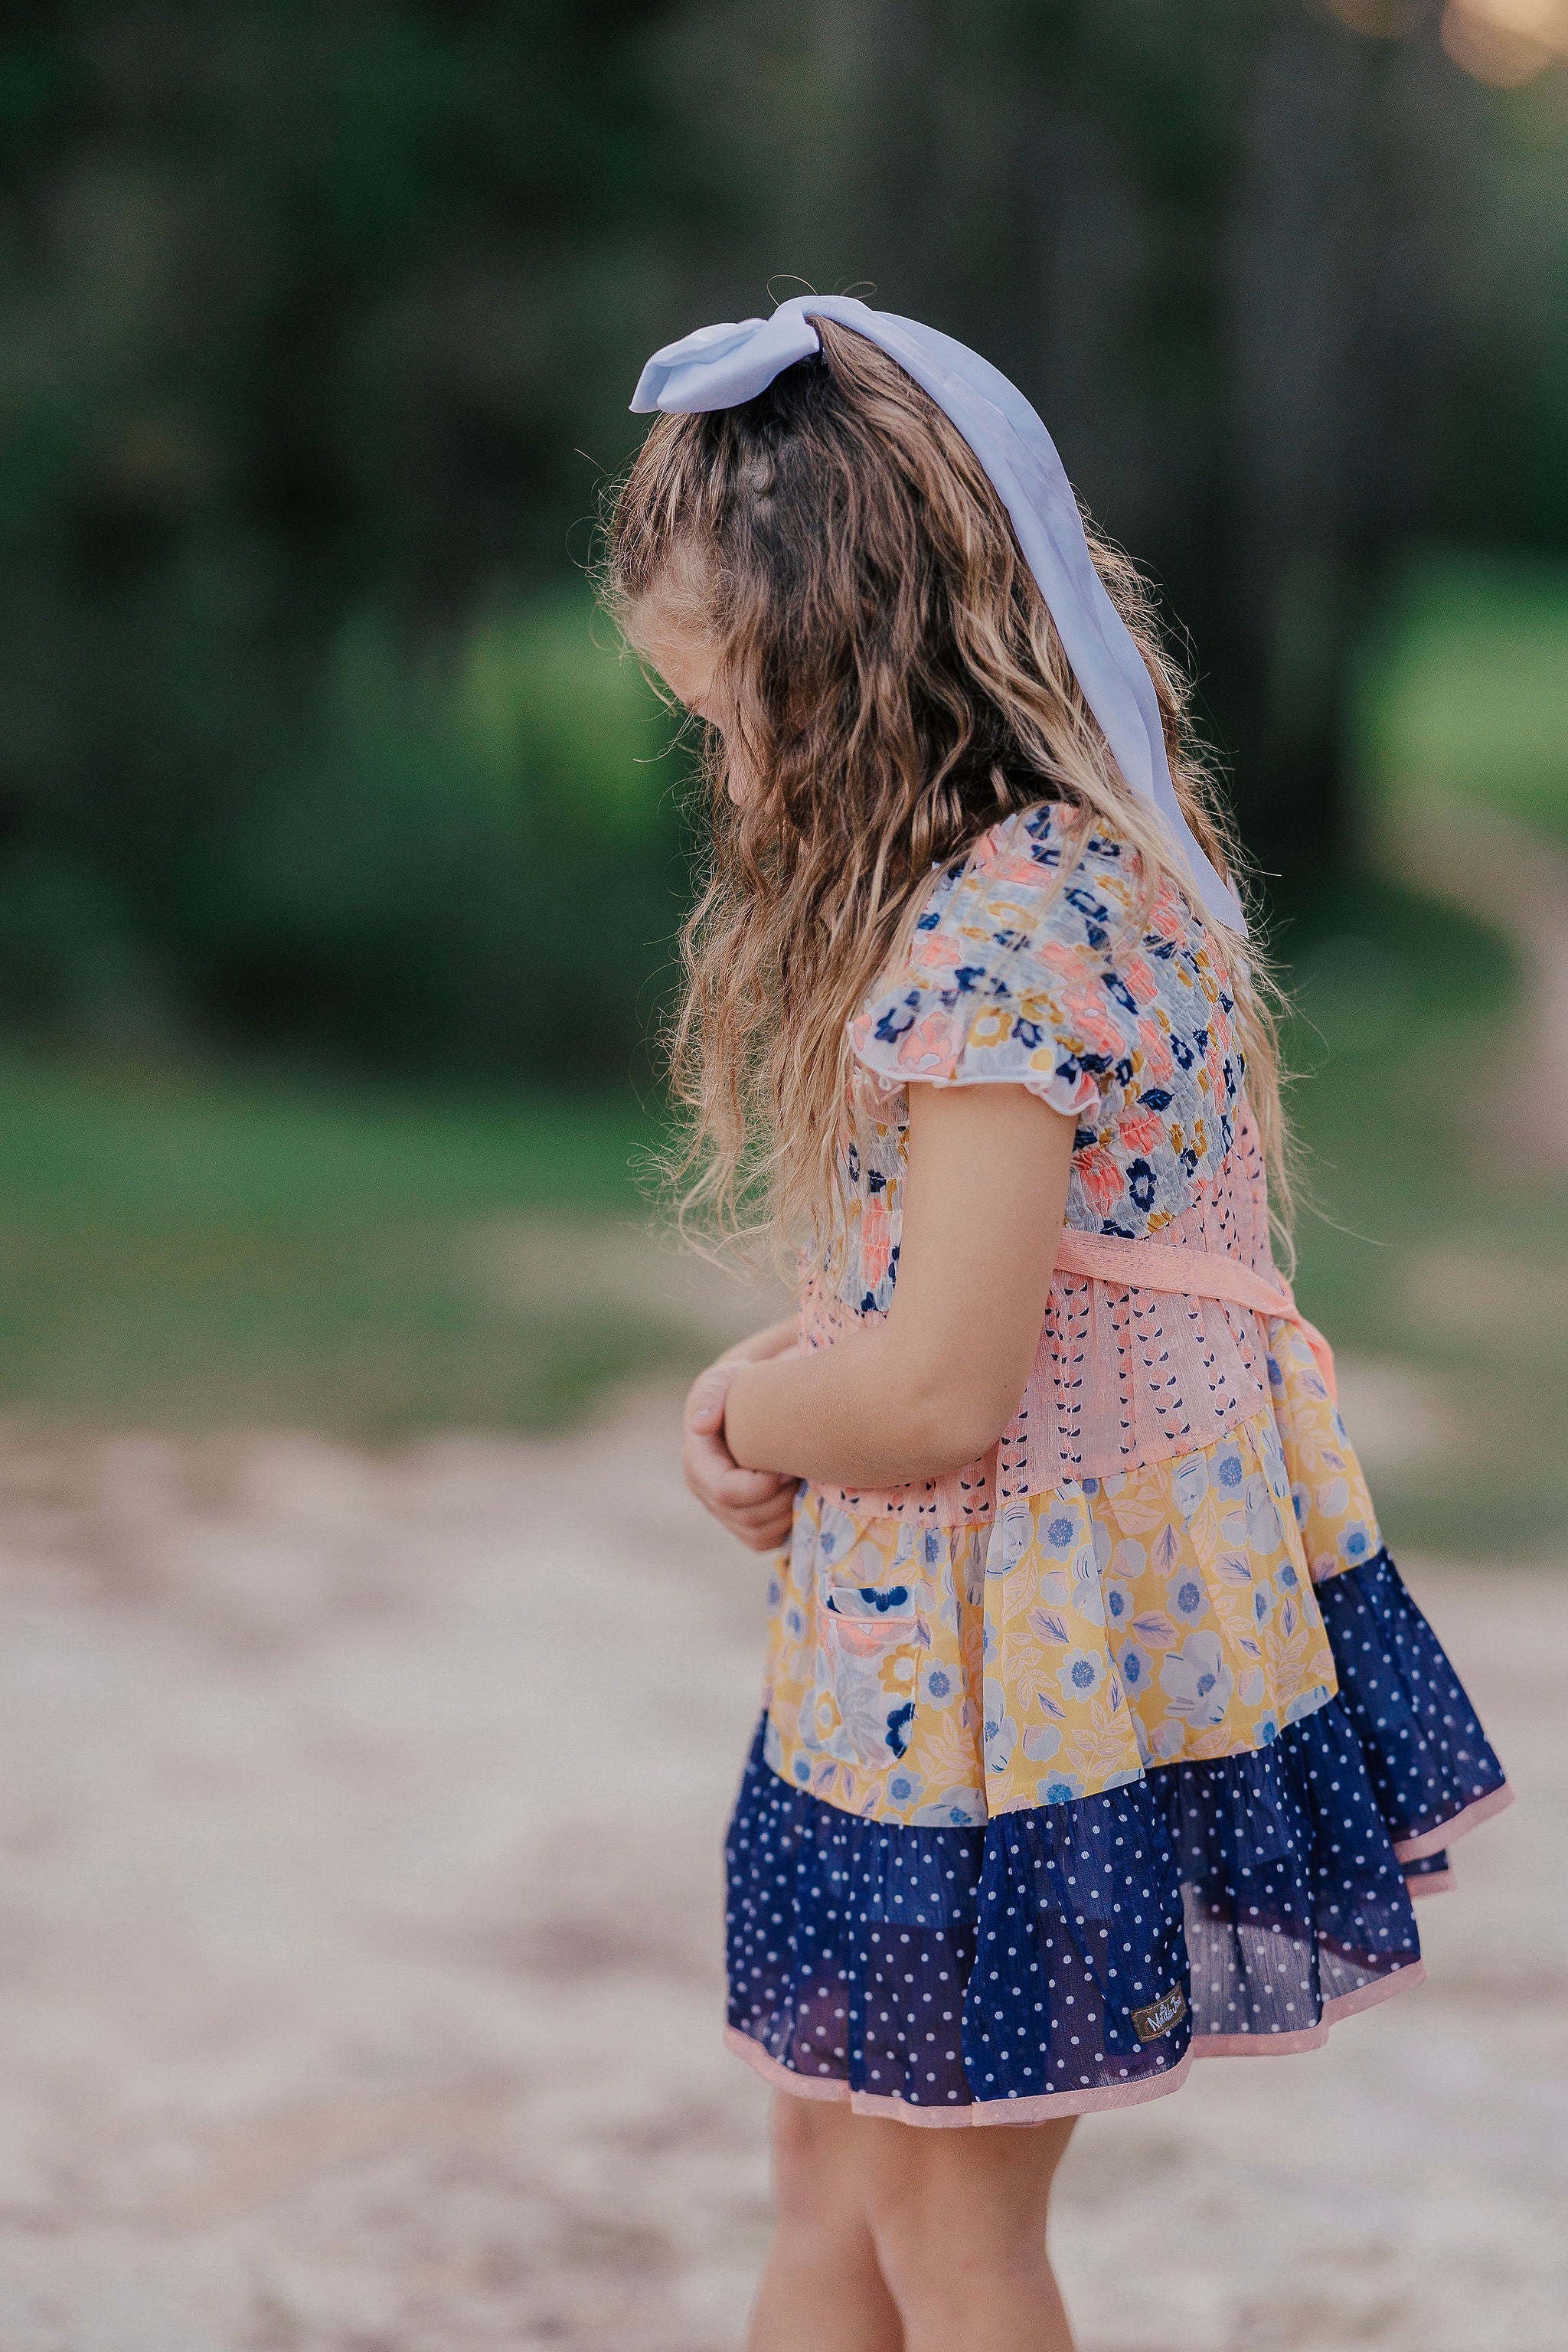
(899, 686)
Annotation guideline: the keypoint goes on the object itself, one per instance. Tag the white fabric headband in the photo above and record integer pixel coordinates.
(720, 367)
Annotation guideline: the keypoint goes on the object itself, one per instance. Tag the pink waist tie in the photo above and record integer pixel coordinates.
(1190, 1274)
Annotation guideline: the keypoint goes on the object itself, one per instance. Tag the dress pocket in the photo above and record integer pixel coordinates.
(870, 1660)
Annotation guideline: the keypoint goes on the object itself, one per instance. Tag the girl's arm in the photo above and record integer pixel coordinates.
(934, 1385)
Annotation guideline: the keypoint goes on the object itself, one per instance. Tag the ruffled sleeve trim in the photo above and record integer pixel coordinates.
(958, 1038)
(1003, 985)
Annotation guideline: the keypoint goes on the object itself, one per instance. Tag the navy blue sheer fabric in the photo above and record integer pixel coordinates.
(1425, 1749)
(1076, 1950)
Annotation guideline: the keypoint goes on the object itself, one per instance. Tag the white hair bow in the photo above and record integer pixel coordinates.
(720, 367)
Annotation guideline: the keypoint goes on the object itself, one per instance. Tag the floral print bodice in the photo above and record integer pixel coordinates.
(1037, 964)
(1126, 1579)
(1020, 973)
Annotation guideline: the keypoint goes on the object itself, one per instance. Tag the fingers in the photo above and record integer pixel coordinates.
(740, 1492)
(762, 1526)
(757, 1506)
(713, 1468)
(778, 1511)
(764, 1531)
(705, 1403)
(718, 1481)
(766, 1540)
(746, 1490)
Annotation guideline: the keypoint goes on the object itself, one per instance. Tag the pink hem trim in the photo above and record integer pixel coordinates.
(1434, 1841)
(1312, 2037)
(1052, 2103)
(1431, 1882)
(1042, 2110)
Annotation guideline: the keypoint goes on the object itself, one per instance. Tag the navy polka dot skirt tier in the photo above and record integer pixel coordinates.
(1078, 1955)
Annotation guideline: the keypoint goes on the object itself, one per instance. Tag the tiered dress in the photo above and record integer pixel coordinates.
(1126, 1742)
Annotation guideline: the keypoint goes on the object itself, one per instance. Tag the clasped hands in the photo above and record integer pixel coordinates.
(756, 1506)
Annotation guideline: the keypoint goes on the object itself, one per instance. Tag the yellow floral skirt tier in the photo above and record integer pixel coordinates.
(1139, 1768)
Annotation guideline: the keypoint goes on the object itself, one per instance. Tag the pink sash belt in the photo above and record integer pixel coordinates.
(1189, 1273)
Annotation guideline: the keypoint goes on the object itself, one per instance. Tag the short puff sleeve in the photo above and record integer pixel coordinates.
(1009, 978)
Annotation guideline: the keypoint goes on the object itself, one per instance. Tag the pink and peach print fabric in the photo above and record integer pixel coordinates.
(1126, 1581)
(936, 1675)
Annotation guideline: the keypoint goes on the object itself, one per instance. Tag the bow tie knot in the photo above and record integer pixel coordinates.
(720, 367)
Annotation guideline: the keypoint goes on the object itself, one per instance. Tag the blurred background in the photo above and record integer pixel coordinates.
(341, 855)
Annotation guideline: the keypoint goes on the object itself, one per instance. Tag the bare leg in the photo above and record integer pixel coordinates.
(822, 2290)
(958, 2219)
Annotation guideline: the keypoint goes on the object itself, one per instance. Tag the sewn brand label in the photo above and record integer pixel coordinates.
(1158, 2016)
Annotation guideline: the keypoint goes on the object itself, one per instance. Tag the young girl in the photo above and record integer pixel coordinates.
(1100, 1731)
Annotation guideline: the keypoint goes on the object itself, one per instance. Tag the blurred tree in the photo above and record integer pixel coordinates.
(302, 300)
(1284, 294)
(314, 307)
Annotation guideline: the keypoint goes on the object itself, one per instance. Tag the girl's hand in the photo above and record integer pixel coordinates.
(756, 1506)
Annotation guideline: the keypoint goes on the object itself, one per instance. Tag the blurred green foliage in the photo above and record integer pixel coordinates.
(1464, 689)
(1433, 1248)
(197, 1249)
(194, 1247)
(320, 324)
(472, 864)
(304, 739)
(200, 1249)
(480, 867)
(321, 320)
(1403, 1010)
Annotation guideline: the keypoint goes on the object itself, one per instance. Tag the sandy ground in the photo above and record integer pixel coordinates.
(360, 1939)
